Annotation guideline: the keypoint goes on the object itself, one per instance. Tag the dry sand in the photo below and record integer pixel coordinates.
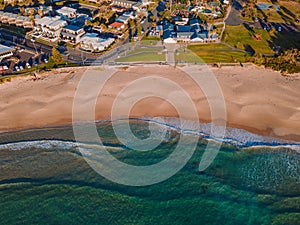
(258, 100)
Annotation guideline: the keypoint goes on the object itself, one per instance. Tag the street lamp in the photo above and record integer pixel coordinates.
(36, 64)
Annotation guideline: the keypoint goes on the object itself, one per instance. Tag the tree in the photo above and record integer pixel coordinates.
(139, 31)
(56, 56)
(166, 14)
(88, 23)
(287, 62)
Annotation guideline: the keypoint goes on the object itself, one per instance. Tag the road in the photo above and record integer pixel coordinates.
(233, 17)
(74, 55)
(20, 40)
(284, 27)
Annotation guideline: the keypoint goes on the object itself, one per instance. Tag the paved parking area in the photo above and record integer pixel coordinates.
(233, 17)
(22, 59)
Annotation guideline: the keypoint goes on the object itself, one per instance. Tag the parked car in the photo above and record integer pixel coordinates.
(17, 68)
(28, 65)
(3, 68)
(35, 63)
(21, 68)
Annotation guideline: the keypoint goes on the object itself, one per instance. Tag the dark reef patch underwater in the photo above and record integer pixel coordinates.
(45, 180)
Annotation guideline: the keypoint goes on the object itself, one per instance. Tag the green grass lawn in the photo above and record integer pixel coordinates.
(210, 53)
(240, 37)
(143, 55)
(43, 41)
(149, 40)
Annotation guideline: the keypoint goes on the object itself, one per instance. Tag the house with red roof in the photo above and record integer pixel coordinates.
(116, 25)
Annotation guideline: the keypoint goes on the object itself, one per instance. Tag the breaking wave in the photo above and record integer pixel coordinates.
(233, 136)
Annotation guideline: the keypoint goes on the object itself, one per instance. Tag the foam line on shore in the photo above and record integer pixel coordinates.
(236, 137)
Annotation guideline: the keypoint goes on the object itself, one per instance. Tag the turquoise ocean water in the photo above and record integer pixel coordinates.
(45, 180)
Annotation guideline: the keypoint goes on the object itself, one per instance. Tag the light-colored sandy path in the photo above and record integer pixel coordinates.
(258, 100)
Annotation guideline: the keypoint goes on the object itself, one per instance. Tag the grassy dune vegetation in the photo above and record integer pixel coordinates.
(143, 55)
(211, 53)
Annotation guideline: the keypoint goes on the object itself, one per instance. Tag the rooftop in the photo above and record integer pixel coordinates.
(66, 10)
(96, 42)
(123, 18)
(4, 48)
(185, 34)
(183, 28)
(116, 25)
(195, 21)
(125, 1)
(25, 18)
(72, 27)
(57, 23)
(52, 22)
(266, 6)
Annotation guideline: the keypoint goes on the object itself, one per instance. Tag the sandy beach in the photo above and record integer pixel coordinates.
(258, 100)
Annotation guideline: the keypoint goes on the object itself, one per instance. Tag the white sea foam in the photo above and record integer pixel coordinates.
(234, 136)
(51, 144)
(237, 137)
(41, 144)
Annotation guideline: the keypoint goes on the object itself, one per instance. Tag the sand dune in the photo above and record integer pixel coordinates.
(258, 100)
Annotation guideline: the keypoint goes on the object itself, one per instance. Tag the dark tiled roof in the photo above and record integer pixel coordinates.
(183, 28)
(72, 27)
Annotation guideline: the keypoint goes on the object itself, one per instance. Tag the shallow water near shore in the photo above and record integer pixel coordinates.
(45, 180)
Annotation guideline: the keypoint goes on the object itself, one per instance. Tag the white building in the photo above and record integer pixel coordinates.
(92, 42)
(124, 3)
(8, 1)
(66, 12)
(25, 22)
(14, 19)
(5, 17)
(72, 33)
(145, 2)
(131, 14)
(49, 27)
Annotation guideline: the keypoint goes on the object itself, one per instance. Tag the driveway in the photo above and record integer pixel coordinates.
(284, 26)
(233, 17)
